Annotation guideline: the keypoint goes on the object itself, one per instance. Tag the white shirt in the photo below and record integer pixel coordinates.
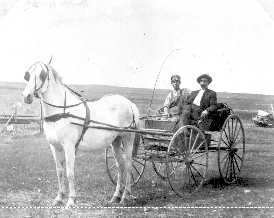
(171, 97)
(197, 100)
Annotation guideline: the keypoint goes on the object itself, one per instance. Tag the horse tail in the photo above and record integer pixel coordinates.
(137, 137)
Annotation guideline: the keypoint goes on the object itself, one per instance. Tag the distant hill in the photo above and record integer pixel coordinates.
(142, 96)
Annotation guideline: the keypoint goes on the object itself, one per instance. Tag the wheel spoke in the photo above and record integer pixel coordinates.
(228, 169)
(198, 155)
(233, 168)
(232, 119)
(237, 142)
(175, 147)
(225, 142)
(198, 172)
(173, 169)
(190, 139)
(227, 138)
(188, 173)
(182, 140)
(196, 138)
(227, 163)
(193, 177)
(224, 167)
(234, 139)
(178, 151)
(224, 157)
(177, 165)
(235, 128)
(114, 165)
(136, 169)
(135, 160)
(236, 163)
(228, 128)
(239, 157)
(199, 146)
(159, 168)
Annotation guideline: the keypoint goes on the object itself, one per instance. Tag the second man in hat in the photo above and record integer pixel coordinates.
(201, 103)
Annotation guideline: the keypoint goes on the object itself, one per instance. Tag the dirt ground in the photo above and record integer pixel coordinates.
(28, 184)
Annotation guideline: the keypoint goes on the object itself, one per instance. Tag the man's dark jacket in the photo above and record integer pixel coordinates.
(208, 100)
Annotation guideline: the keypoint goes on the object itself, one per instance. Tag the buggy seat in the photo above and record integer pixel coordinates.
(215, 121)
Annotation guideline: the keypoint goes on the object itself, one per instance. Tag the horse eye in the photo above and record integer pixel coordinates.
(27, 76)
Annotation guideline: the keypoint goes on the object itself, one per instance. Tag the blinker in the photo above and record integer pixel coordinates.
(27, 76)
(43, 75)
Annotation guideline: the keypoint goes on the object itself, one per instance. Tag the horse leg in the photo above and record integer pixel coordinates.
(128, 147)
(70, 160)
(59, 158)
(117, 151)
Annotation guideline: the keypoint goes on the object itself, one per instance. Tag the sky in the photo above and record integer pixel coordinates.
(129, 42)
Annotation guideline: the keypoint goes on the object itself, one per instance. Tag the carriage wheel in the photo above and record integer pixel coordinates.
(138, 165)
(159, 165)
(159, 169)
(231, 149)
(187, 160)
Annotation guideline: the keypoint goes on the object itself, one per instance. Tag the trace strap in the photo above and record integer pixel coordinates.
(56, 117)
(87, 120)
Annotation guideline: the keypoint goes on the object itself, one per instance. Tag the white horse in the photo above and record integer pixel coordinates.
(62, 107)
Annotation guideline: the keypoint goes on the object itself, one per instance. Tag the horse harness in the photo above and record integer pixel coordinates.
(87, 120)
(57, 117)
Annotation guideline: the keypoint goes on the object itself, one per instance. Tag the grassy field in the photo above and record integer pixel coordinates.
(28, 176)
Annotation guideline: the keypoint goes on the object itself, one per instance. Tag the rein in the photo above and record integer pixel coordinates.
(57, 117)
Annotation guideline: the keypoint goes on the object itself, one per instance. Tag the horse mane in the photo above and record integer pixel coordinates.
(56, 76)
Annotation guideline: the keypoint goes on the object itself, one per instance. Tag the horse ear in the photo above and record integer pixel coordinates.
(43, 75)
(50, 60)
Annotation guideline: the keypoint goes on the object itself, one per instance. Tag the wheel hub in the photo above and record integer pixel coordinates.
(188, 161)
(233, 151)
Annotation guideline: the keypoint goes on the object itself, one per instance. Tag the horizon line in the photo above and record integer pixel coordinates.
(162, 89)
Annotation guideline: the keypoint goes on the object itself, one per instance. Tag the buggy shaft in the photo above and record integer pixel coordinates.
(122, 129)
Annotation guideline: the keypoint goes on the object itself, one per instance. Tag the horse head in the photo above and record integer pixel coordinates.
(37, 77)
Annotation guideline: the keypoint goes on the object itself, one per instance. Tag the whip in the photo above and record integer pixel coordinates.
(158, 75)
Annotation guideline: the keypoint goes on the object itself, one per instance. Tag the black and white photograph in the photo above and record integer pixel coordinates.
(136, 108)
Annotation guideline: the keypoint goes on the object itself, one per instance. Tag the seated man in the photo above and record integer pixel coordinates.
(175, 99)
(201, 103)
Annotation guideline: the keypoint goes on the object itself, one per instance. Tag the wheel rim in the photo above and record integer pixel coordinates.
(160, 169)
(138, 165)
(187, 160)
(231, 149)
(159, 165)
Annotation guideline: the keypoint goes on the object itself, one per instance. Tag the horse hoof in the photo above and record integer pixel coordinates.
(125, 202)
(57, 203)
(70, 204)
(115, 199)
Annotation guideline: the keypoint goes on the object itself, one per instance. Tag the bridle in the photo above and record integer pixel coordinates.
(44, 76)
(55, 117)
